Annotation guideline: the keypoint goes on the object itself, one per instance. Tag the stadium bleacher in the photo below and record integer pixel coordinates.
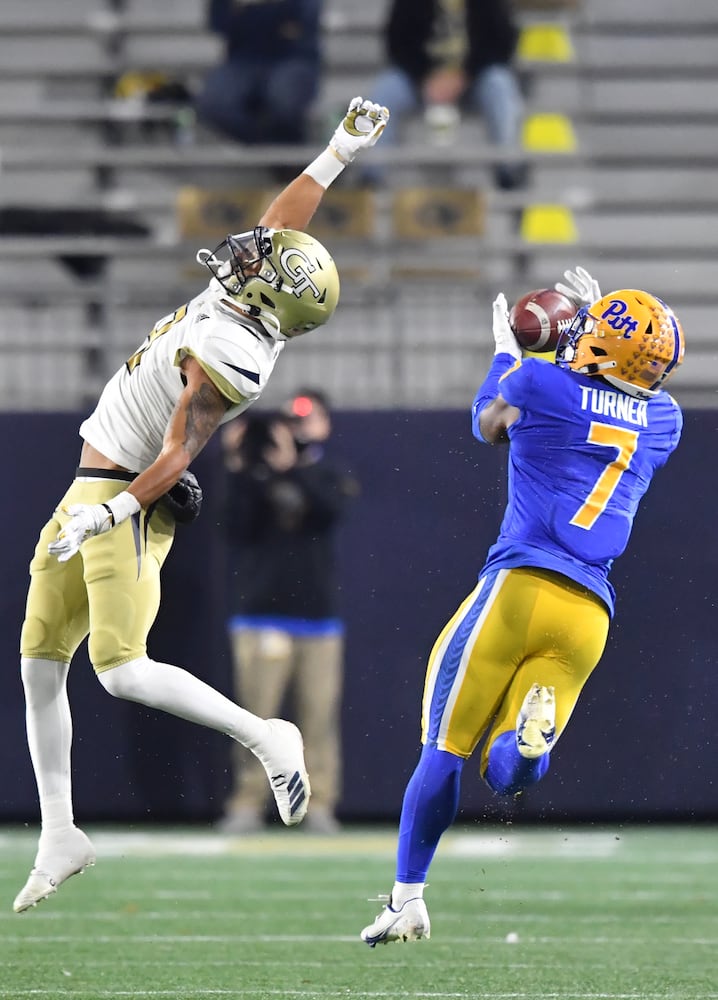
(633, 87)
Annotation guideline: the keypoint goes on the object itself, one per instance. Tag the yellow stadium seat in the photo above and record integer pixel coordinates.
(545, 43)
(548, 132)
(548, 224)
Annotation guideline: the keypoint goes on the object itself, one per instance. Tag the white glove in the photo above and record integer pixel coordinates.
(87, 520)
(506, 342)
(582, 289)
(361, 127)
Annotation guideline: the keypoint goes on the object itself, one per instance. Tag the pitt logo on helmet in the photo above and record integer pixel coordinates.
(618, 317)
(630, 338)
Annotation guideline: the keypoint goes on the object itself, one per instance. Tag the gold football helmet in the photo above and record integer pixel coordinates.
(284, 278)
(629, 337)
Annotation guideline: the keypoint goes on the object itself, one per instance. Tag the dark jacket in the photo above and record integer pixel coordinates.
(273, 29)
(490, 25)
(281, 533)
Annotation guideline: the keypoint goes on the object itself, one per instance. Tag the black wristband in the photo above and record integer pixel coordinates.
(109, 511)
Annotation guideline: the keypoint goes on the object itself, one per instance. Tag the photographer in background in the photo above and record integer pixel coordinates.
(283, 502)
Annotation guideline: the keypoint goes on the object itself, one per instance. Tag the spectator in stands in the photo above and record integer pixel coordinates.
(445, 56)
(283, 503)
(264, 89)
(96, 569)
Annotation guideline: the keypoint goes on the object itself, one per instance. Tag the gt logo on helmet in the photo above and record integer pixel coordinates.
(618, 317)
(299, 273)
(283, 278)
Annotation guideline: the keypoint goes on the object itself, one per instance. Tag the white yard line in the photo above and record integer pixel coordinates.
(331, 992)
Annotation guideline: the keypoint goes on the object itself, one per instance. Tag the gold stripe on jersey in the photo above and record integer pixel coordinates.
(160, 328)
(514, 366)
(223, 385)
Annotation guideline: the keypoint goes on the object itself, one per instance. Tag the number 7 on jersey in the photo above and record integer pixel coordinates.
(625, 442)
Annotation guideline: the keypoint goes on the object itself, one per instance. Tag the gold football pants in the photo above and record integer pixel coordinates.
(109, 591)
(517, 628)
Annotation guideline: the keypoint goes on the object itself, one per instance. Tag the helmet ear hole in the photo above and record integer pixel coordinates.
(269, 303)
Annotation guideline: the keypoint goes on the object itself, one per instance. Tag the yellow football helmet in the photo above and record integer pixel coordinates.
(629, 337)
(284, 278)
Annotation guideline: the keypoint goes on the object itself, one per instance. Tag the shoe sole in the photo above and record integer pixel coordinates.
(395, 937)
(401, 930)
(296, 786)
(539, 729)
(20, 906)
(537, 744)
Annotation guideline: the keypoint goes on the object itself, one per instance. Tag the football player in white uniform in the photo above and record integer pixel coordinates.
(96, 568)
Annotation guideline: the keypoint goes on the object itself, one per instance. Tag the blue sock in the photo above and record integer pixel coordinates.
(508, 772)
(431, 801)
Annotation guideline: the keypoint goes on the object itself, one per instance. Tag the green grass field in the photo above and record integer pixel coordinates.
(600, 915)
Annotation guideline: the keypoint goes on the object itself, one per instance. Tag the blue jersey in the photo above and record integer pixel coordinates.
(581, 456)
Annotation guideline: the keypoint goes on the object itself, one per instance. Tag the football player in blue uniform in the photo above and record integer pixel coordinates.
(586, 435)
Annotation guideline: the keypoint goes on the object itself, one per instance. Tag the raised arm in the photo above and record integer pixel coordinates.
(360, 128)
(491, 415)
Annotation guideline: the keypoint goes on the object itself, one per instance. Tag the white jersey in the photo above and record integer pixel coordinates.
(129, 422)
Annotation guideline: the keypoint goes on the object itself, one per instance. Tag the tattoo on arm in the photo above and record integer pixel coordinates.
(203, 413)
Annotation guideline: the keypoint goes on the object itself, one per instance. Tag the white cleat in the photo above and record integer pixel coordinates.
(283, 760)
(67, 855)
(409, 923)
(536, 722)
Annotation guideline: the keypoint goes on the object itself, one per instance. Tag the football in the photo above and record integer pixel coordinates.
(539, 318)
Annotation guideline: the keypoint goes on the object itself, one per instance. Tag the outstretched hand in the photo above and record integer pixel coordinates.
(506, 342)
(361, 127)
(580, 287)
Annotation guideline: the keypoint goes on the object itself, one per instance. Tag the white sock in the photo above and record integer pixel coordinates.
(49, 737)
(404, 891)
(174, 690)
